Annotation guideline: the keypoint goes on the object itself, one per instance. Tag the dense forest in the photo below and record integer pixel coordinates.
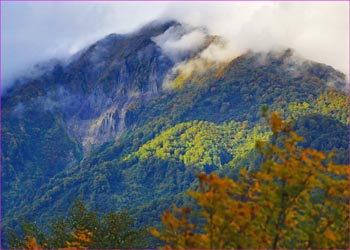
(296, 198)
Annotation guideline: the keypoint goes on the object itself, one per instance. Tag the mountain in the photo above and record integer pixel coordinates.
(129, 120)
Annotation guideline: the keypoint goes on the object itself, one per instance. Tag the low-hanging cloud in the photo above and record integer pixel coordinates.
(37, 31)
(33, 32)
(316, 30)
(178, 41)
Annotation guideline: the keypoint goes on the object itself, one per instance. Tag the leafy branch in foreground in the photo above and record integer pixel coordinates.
(296, 199)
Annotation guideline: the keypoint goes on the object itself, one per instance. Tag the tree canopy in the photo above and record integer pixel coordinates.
(83, 229)
(297, 198)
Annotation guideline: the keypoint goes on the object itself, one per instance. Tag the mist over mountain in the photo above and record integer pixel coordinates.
(39, 31)
(129, 120)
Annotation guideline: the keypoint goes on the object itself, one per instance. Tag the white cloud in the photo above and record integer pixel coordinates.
(178, 41)
(317, 30)
(35, 31)
(219, 51)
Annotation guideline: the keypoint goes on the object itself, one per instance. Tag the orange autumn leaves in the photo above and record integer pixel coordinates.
(296, 199)
(80, 239)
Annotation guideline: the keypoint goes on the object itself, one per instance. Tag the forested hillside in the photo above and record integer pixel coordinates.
(125, 127)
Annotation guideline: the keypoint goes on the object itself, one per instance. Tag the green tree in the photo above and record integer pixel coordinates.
(296, 199)
(83, 229)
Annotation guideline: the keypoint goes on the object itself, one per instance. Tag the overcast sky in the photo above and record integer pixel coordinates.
(36, 31)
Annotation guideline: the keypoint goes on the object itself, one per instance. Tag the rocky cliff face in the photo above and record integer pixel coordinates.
(118, 72)
(109, 76)
(96, 90)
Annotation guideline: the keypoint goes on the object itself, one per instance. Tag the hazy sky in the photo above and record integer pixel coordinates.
(36, 31)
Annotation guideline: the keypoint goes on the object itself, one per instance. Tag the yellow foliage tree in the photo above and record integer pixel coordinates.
(81, 237)
(296, 199)
(32, 244)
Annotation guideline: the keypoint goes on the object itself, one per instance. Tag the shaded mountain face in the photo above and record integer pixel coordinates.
(93, 92)
(129, 120)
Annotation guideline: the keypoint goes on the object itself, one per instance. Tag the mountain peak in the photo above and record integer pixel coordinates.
(157, 27)
(103, 84)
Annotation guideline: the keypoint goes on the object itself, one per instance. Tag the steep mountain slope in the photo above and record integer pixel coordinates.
(129, 120)
(53, 119)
